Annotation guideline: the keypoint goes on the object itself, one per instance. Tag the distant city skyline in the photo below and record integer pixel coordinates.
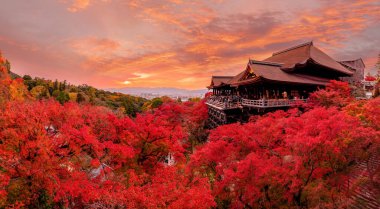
(157, 92)
(176, 43)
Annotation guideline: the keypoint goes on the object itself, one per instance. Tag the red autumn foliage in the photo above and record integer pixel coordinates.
(77, 156)
(195, 117)
(336, 94)
(283, 159)
(83, 156)
(370, 78)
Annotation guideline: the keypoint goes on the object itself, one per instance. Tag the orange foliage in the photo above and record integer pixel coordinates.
(10, 90)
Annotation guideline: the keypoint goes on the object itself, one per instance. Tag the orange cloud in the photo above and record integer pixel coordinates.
(184, 15)
(92, 46)
(78, 5)
(177, 43)
(31, 47)
(224, 44)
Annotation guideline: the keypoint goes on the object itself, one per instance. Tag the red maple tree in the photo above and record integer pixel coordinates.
(283, 158)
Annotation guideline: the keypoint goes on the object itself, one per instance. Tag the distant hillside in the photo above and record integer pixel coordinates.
(160, 91)
(63, 92)
(129, 101)
(14, 75)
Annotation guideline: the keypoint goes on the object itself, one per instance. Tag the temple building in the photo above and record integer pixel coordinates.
(357, 67)
(278, 82)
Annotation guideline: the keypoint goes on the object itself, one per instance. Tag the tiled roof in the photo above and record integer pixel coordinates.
(357, 64)
(283, 66)
(301, 54)
(272, 72)
(220, 80)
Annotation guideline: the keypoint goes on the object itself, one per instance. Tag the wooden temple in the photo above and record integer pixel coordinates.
(278, 82)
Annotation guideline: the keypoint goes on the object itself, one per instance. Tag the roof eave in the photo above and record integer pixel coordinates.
(313, 83)
(247, 82)
(333, 69)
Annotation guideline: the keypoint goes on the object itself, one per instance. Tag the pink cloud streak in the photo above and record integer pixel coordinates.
(175, 43)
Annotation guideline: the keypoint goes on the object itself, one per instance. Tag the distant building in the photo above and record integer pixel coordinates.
(278, 82)
(149, 95)
(357, 67)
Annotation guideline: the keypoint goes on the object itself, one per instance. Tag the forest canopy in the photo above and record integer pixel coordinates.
(107, 150)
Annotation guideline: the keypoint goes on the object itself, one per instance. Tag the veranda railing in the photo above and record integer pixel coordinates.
(271, 102)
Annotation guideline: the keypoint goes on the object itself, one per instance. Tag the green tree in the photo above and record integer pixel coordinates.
(56, 85)
(27, 77)
(7, 65)
(156, 102)
(63, 97)
(29, 82)
(63, 85)
(55, 93)
(81, 97)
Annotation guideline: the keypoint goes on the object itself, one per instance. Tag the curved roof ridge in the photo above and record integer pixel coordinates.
(222, 76)
(325, 60)
(265, 63)
(358, 59)
(292, 48)
(219, 81)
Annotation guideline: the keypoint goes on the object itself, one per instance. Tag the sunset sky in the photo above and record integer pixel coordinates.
(175, 43)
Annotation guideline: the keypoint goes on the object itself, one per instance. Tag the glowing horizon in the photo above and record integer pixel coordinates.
(176, 43)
